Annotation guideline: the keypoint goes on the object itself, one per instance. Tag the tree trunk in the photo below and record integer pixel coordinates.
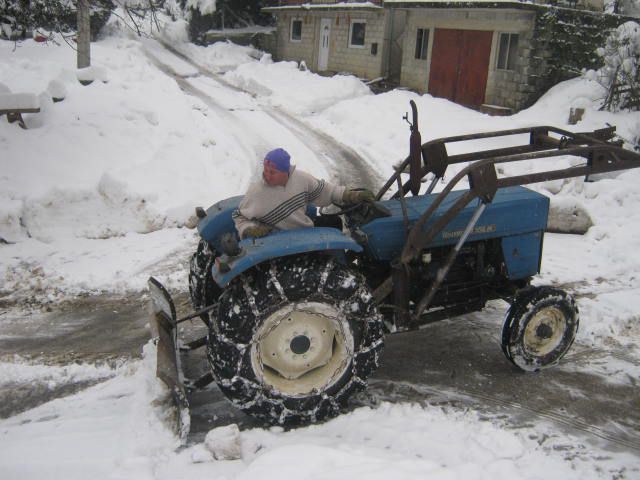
(84, 34)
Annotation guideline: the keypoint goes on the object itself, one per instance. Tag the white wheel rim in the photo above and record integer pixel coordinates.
(302, 348)
(544, 332)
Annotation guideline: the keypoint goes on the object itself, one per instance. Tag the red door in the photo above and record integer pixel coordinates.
(460, 65)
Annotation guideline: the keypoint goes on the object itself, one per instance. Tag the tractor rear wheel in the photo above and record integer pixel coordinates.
(539, 328)
(294, 339)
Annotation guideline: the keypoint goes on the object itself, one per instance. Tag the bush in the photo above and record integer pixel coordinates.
(620, 74)
(228, 14)
(20, 17)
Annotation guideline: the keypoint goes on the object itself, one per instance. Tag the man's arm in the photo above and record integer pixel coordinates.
(322, 193)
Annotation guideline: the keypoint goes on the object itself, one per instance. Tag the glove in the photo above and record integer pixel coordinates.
(257, 231)
(351, 197)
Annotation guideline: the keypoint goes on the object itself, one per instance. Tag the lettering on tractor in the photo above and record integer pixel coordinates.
(476, 230)
(296, 320)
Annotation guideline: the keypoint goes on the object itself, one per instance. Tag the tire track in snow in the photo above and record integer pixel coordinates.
(390, 391)
(350, 168)
(237, 128)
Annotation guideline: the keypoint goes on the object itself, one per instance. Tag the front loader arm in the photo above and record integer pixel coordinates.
(436, 159)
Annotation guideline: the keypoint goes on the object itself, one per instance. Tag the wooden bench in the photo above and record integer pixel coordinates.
(15, 104)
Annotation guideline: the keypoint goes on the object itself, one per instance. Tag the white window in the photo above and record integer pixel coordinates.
(296, 30)
(507, 51)
(422, 43)
(357, 32)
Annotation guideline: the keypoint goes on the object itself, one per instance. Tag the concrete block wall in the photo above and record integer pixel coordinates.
(342, 58)
(503, 87)
(359, 61)
(296, 51)
(511, 88)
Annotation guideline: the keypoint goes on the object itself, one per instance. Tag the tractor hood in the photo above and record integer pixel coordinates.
(514, 211)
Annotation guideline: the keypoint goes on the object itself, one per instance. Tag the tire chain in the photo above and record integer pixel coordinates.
(199, 283)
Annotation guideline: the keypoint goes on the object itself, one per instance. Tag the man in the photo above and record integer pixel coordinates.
(280, 199)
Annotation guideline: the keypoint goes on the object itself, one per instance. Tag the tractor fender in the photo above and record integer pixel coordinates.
(281, 244)
(219, 220)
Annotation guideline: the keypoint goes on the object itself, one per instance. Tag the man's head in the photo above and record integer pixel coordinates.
(276, 167)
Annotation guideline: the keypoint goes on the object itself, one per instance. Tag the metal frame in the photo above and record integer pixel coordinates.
(597, 148)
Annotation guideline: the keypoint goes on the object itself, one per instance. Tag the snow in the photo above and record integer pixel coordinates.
(224, 442)
(20, 370)
(98, 193)
(106, 431)
(453, 2)
(282, 84)
(205, 7)
(329, 6)
(116, 430)
(13, 101)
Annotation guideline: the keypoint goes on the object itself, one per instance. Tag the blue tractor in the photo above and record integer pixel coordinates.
(296, 320)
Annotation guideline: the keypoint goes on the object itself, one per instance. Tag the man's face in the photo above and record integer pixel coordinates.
(273, 176)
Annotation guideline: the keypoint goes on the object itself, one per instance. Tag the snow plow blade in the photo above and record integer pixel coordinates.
(168, 369)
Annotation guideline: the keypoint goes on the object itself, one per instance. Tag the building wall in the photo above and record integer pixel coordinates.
(296, 51)
(342, 58)
(505, 88)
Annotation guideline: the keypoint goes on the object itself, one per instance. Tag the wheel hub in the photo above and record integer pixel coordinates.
(302, 347)
(300, 344)
(545, 331)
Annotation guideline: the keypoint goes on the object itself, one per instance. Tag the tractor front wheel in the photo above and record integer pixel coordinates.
(294, 339)
(539, 328)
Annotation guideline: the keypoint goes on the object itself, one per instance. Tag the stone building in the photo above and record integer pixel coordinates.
(480, 53)
(332, 37)
(473, 53)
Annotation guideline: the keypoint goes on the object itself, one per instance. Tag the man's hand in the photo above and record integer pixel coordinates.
(257, 231)
(351, 197)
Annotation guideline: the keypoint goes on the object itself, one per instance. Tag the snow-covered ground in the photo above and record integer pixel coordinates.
(99, 191)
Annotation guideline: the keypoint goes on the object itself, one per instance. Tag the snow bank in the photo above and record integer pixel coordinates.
(435, 442)
(221, 56)
(55, 270)
(116, 429)
(285, 85)
(141, 151)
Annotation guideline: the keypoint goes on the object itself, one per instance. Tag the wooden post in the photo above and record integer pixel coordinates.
(84, 34)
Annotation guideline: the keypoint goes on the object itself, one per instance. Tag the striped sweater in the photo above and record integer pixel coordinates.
(284, 207)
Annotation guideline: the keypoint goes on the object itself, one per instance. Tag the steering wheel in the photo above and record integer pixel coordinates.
(365, 211)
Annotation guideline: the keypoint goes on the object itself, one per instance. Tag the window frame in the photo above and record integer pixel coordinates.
(508, 63)
(291, 39)
(364, 39)
(421, 51)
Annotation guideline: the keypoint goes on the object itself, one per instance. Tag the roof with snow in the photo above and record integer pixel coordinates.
(410, 3)
(456, 3)
(327, 6)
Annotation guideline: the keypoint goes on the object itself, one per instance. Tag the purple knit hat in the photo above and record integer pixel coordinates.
(280, 158)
